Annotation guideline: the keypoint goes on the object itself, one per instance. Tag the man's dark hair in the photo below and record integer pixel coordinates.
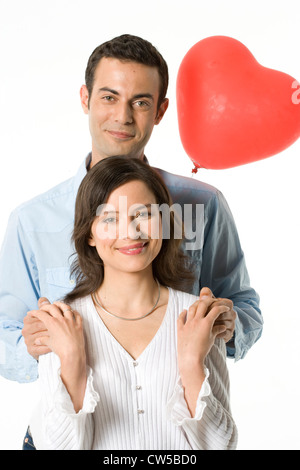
(129, 48)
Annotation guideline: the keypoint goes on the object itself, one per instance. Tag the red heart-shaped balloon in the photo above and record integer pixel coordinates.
(231, 109)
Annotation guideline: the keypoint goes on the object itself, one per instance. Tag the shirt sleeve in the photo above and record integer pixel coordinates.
(212, 427)
(19, 288)
(224, 271)
(62, 427)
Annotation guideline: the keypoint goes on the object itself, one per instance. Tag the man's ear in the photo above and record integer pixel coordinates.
(161, 111)
(84, 98)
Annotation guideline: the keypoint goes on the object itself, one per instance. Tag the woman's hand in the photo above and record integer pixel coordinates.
(64, 336)
(196, 334)
(197, 330)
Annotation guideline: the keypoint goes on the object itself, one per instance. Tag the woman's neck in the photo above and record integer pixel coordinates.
(128, 294)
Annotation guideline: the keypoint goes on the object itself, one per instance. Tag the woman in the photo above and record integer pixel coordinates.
(136, 362)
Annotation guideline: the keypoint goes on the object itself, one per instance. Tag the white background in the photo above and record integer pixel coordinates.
(44, 48)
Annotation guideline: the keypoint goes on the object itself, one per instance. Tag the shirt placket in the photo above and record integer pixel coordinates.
(137, 391)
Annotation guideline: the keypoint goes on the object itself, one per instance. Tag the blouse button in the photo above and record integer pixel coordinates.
(135, 363)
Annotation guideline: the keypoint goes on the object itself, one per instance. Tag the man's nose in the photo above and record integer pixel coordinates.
(123, 113)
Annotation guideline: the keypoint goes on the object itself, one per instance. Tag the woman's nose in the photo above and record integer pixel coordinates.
(130, 229)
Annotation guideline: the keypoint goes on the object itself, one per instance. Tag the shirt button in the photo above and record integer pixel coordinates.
(72, 282)
(140, 412)
(135, 364)
(138, 387)
(27, 377)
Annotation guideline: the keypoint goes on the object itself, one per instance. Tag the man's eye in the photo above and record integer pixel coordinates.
(141, 104)
(108, 98)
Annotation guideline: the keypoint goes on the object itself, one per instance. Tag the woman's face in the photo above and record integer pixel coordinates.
(127, 230)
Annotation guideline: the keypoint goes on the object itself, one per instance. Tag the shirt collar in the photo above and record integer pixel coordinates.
(83, 169)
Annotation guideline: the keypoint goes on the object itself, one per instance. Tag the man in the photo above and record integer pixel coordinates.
(124, 98)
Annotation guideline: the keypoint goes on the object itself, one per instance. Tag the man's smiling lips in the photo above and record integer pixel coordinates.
(135, 249)
(120, 134)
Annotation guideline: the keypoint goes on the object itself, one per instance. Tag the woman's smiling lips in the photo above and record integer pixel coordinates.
(133, 249)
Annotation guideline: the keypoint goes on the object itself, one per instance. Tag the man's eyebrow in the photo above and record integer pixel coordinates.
(109, 90)
(135, 97)
(144, 95)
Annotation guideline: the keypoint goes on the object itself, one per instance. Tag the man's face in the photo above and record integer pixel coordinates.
(122, 108)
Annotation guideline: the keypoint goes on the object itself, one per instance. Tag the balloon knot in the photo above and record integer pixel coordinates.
(195, 170)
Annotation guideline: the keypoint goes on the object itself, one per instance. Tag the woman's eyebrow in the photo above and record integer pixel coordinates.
(134, 207)
(142, 206)
(105, 213)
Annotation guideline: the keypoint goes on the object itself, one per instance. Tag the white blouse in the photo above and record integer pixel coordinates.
(134, 404)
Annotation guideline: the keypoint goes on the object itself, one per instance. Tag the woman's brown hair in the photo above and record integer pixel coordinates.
(170, 267)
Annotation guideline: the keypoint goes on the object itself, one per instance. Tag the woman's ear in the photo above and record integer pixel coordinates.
(91, 241)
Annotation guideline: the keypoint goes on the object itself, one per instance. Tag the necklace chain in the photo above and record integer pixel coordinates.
(97, 301)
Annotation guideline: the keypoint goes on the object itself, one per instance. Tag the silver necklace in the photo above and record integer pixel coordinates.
(97, 301)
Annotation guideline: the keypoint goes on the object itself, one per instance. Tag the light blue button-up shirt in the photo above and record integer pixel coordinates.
(36, 256)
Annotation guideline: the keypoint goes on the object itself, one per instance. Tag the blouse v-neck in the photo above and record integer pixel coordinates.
(112, 338)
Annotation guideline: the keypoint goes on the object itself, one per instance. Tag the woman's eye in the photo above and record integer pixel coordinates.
(109, 220)
(142, 215)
